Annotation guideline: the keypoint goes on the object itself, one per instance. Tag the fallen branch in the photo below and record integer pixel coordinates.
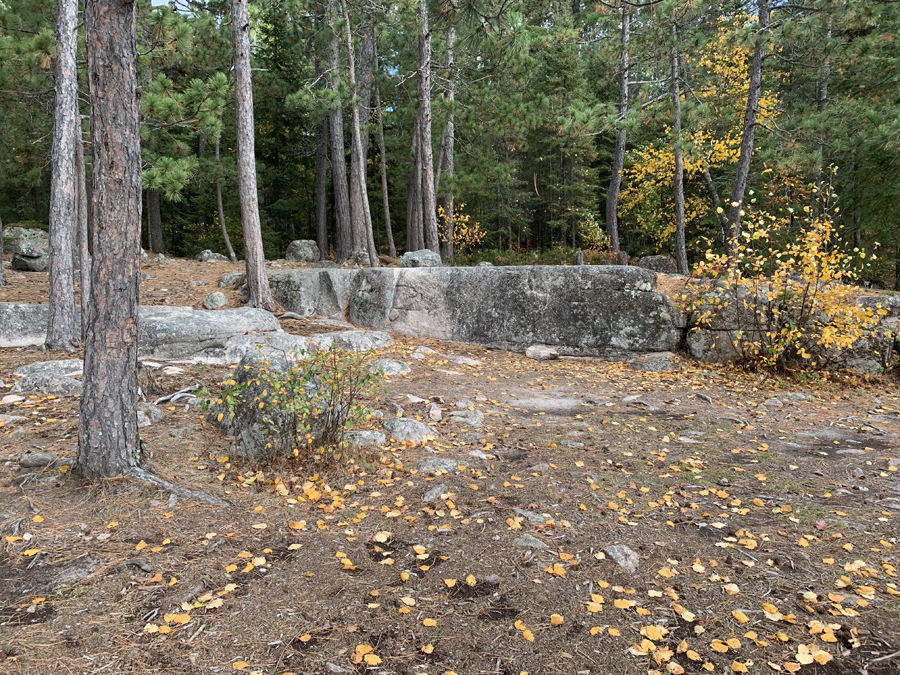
(171, 397)
(882, 659)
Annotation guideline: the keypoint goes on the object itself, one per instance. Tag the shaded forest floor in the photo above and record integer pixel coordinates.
(766, 530)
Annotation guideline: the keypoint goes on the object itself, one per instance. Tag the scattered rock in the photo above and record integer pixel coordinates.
(146, 276)
(485, 263)
(215, 300)
(423, 258)
(9, 420)
(423, 352)
(663, 264)
(472, 418)
(464, 404)
(144, 256)
(155, 413)
(658, 362)
(435, 414)
(542, 467)
(462, 360)
(406, 429)
(541, 353)
(361, 257)
(434, 494)
(326, 264)
(143, 420)
(180, 432)
(573, 445)
(432, 464)
(48, 384)
(894, 463)
(795, 397)
(195, 283)
(773, 403)
(230, 279)
(354, 340)
(210, 256)
(62, 368)
(302, 250)
(365, 438)
(624, 557)
(390, 367)
(36, 460)
(529, 541)
(532, 517)
(32, 253)
(550, 406)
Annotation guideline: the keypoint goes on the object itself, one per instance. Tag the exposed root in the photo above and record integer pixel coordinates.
(179, 491)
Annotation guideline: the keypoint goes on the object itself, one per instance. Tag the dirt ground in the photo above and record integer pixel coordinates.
(765, 526)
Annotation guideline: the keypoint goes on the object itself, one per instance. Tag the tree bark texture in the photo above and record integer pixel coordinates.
(257, 281)
(429, 199)
(62, 332)
(415, 240)
(822, 103)
(615, 183)
(2, 269)
(108, 443)
(681, 261)
(154, 222)
(84, 252)
(747, 136)
(231, 256)
(392, 249)
(338, 160)
(322, 188)
(447, 151)
(361, 226)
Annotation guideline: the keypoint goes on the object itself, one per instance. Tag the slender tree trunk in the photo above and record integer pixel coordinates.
(681, 261)
(429, 199)
(414, 236)
(154, 222)
(3, 281)
(362, 217)
(231, 256)
(62, 332)
(108, 442)
(615, 183)
(822, 103)
(392, 249)
(84, 252)
(257, 281)
(363, 73)
(322, 188)
(746, 154)
(338, 159)
(448, 151)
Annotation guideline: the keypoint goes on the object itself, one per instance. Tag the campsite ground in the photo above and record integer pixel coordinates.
(764, 513)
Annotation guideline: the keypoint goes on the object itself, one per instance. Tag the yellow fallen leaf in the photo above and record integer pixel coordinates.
(718, 646)
(430, 623)
(652, 632)
(556, 619)
(740, 616)
(30, 552)
(450, 583)
(259, 526)
(239, 665)
(471, 580)
(37, 519)
(372, 659)
(297, 524)
(731, 589)
(615, 632)
(738, 667)
(140, 546)
(428, 648)
(527, 634)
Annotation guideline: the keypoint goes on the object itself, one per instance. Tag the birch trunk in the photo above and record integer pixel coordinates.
(615, 183)
(429, 199)
(257, 281)
(108, 435)
(747, 137)
(62, 332)
(681, 261)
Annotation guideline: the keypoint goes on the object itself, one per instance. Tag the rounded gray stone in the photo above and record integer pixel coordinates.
(423, 258)
(211, 256)
(390, 367)
(215, 300)
(302, 250)
(406, 429)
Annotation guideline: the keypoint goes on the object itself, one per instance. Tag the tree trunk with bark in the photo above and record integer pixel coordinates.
(821, 103)
(747, 137)
(615, 183)
(415, 240)
(221, 207)
(447, 152)
(392, 249)
(338, 160)
(108, 443)
(154, 222)
(257, 281)
(681, 261)
(84, 252)
(62, 331)
(359, 197)
(429, 199)
(3, 281)
(322, 188)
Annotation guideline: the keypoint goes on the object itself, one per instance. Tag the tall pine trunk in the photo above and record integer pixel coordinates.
(154, 222)
(429, 199)
(362, 217)
(62, 331)
(322, 188)
(615, 183)
(392, 249)
(819, 201)
(2, 268)
(681, 261)
(747, 137)
(414, 237)
(338, 159)
(221, 207)
(257, 281)
(447, 152)
(108, 442)
(84, 252)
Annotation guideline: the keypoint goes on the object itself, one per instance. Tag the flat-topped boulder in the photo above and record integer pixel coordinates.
(313, 292)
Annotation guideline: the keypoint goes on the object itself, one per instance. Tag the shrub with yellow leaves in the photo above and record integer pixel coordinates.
(467, 233)
(787, 299)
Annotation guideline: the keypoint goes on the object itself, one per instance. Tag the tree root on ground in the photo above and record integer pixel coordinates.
(177, 490)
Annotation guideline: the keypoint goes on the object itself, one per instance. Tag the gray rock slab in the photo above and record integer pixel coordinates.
(541, 353)
(432, 464)
(422, 353)
(155, 413)
(365, 438)
(471, 418)
(215, 300)
(355, 340)
(9, 420)
(659, 362)
(62, 368)
(48, 384)
(624, 557)
(406, 429)
(143, 419)
(663, 264)
(292, 347)
(550, 406)
(424, 258)
(313, 292)
(529, 541)
(390, 367)
(302, 250)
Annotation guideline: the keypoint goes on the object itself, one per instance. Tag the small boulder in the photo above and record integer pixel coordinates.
(423, 258)
(48, 384)
(470, 418)
(541, 353)
(663, 264)
(230, 279)
(9, 420)
(215, 300)
(195, 284)
(155, 413)
(624, 557)
(529, 541)
(657, 362)
(302, 250)
(433, 464)
(143, 420)
(390, 367)
(361, 256)
(146, 276)
(485, 263)
(36, 460)
(32, 253)
(423, 352)
(61, 368)
(435, 493)
(354, 340)
(406, 429)
(365, 438)
(211, 256)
